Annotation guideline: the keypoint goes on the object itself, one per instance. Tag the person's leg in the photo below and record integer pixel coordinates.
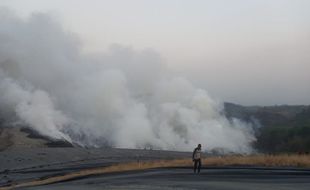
(195, 165)
(199, 165)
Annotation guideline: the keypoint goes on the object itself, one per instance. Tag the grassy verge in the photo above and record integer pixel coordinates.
(255, 160)
(284, 160)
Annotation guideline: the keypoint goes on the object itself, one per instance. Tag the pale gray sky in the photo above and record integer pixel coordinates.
(243, 51)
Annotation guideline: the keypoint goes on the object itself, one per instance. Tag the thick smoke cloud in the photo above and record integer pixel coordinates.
(121, 98)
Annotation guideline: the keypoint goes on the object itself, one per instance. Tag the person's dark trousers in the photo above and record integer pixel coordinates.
(197, 165)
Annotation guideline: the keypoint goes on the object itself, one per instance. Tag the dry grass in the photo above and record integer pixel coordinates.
(284, 160)
(255, 160)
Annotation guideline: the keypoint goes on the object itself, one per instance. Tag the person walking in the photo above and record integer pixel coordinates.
(197, 158)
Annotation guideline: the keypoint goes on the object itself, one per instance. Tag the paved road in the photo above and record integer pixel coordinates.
(183, 178)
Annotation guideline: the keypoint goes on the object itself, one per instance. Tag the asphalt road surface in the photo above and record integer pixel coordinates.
(184, 178)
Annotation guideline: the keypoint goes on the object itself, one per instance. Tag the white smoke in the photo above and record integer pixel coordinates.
(35, 108)
(122, 97)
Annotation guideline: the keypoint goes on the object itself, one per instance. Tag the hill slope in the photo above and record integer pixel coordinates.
(280, 128)
(19, 137)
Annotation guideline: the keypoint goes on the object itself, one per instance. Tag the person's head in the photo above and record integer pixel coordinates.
(199, 146)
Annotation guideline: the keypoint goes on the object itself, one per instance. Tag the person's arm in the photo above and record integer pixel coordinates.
(194, 153)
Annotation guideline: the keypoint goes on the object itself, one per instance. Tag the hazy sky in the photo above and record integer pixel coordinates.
(243, 51)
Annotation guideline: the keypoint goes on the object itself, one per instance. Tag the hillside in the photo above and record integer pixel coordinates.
(21, 137)
(278, 128)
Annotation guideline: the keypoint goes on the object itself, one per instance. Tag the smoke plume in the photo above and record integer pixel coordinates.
(121, 97)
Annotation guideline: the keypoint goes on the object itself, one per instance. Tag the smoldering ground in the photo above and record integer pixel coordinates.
(121, 97)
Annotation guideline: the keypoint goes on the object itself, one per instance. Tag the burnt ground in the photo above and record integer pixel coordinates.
(22, 164)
